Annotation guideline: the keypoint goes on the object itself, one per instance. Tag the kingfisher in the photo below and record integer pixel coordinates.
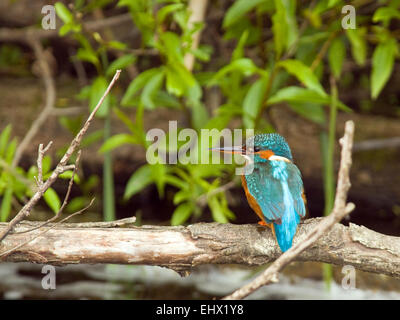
(274, 187)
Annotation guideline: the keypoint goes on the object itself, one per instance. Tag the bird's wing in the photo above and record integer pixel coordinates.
(296, 188)
(268, 190)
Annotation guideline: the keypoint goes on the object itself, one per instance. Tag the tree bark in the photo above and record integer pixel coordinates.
(182, 248)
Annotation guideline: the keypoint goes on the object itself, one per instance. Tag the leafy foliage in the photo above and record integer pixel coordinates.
(284, 53)
(16, 184)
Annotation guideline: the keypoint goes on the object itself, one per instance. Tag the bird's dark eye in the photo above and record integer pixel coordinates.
(256, 149)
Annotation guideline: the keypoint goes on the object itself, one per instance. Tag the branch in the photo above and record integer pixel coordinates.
(41, 152)
(376, 144)
(182, 248)
(339, 211)
(71, 182)
(198, 10)
(50, 100)
(28, 33)
(60, 168)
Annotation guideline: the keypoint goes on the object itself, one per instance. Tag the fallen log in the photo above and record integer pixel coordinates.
(182, 248)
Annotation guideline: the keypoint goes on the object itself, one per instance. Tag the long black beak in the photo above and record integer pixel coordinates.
(238, 149)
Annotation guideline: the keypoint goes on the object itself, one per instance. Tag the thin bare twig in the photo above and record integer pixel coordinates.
(79, 69)
(61, 166)
(66, 198)
(322, 52)
(41, 153)
(198, 10)
(126, 222)
(340, 210)
(375, 144)
(71, 111)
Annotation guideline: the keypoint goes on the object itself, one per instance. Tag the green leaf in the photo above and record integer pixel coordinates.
(11, 151)
(4, 137)
(63, 12)
(219, 122)
(32, 172)
(199, 115)
(239, 50)
(176, 182)
(76, 204)
(358, 44)
(150, 90)
(117, 45)
(179, 80)
(97, 90)
(46, 164)
(158, 173)
(90, 183)
(166, 10)
(203, 52)
(83, 94)
(171, 46)
(85, 54)
(333, 3)
(243, 65)
(382, 65)
(140, 179)
(291, 20)
(92, 138)
(253, 101)
(181, 213)
(238, 9)
(312, 111)
(304, 74)
(117, 141)
(284, 25)
(174, 83)
(137, 84)
(68, 175)
(296, 94)
(217, 210)
(65, 29)
(73, 125)
(314, 37)
(120, 63)
(385, 14)
(230, 109)
(181, 195)
(6, 204)
(125, 119)
(336, 55)
(52, 200)
(280, 28)
(164, 99)
(302, 95)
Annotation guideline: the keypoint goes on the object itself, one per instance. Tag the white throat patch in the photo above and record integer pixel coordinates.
(279, 158)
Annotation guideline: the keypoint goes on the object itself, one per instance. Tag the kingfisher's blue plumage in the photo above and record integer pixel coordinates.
(274, 188)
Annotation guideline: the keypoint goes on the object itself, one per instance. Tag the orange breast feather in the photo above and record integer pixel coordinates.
(252, 202)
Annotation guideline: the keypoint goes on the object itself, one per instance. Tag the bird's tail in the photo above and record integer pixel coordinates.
(286, 230)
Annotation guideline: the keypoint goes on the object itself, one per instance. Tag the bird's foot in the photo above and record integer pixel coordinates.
(269, 225)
